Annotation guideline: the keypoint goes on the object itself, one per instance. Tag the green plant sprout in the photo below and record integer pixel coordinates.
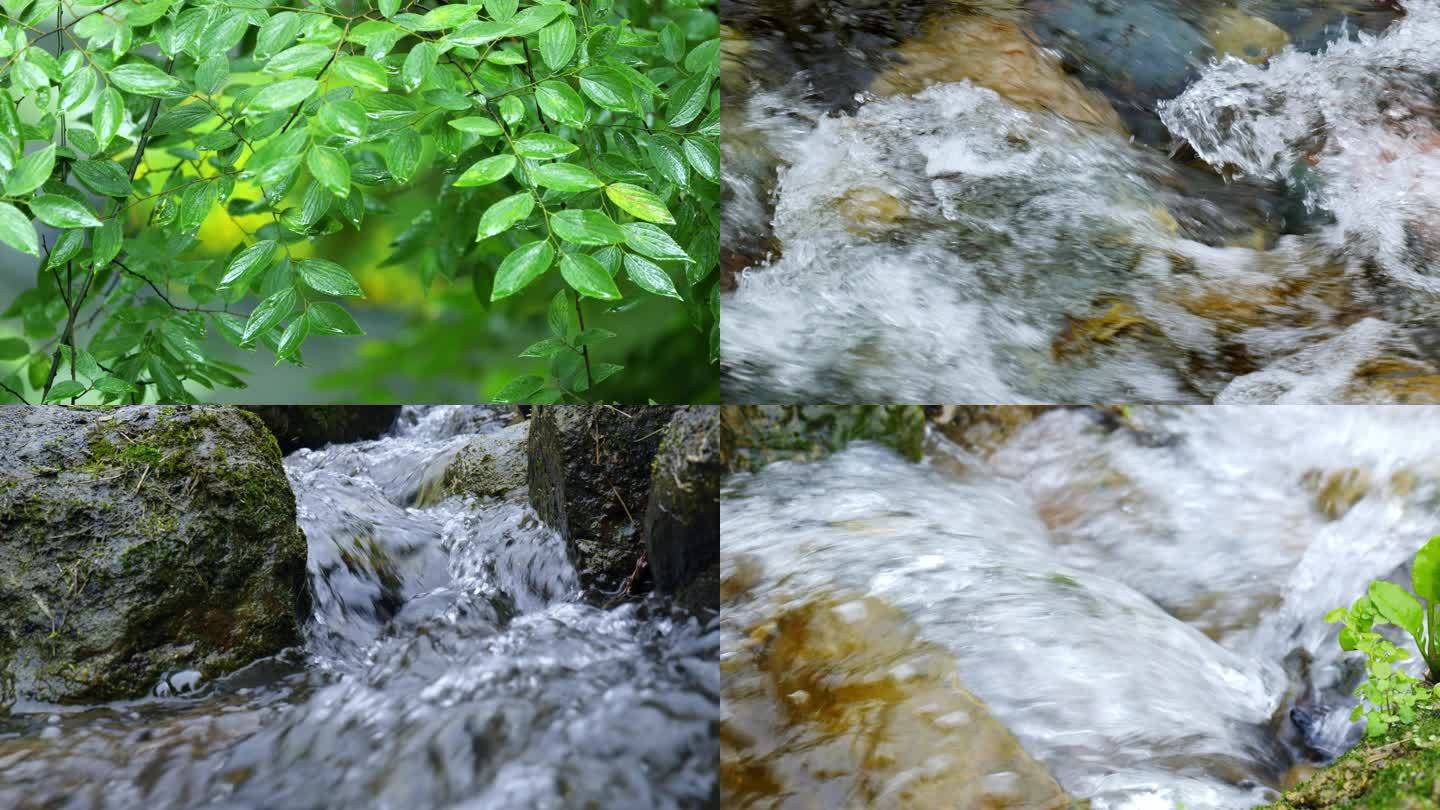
(1390, 696)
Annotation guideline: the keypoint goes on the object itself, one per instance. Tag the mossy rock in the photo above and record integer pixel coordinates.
(490, 465)
(752, 436)
(139, 541)
(589, 474)
(314, 426)
(682, 524)
(1398, 771)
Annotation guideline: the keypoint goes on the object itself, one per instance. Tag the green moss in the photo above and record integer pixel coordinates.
(753, 436)
(1399, 772)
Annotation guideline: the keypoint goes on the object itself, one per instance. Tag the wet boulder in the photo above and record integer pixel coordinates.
(314, 426)
(837, 697)
(141, 541)
(490, 465)
(682, 524)
(752, 436)
(589, 474)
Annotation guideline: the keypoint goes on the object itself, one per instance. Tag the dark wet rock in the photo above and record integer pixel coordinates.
(141, 541)
(491, 465)
(752, 436)
(682, 525)
(314, 426)
(589, 475)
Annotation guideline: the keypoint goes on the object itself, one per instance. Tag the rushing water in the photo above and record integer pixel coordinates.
(1255, 229)
(448, 664)
(1142, 607)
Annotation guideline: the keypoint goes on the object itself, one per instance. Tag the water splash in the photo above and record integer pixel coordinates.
(1141, 606)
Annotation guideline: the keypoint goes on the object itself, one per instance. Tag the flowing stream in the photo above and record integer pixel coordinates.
(1141, 606)
(1086, 201)
(447, 664)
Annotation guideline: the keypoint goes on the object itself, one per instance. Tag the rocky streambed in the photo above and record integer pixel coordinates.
(427, 607)
(986, 607)
(1081, 201)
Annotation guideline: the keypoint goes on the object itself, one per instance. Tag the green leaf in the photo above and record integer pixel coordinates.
(560, 103)
(270, 312)
(103, 176)
(212, 73)
(329, 318)
(672, 42)
(11, 348)
(142, 78)
(524, 264)
(560, 315)
(107, 115)
(283, 95)
(76, 88)
(290, 340)
(502, 9)
(665, 152)
(105, 243)
(388, 8)
(534, 18)
(1397, 606)
(62, 212)
(420, 61)
(17, 232)
(479, 125)
(487, 171)
(512, 110)
(557, 43)
(704, 58)
(520, 389)
(565, 177)
(1425, 574)
(542, 146)
(114, 386)
(304, 58)
(363, 70)
(609, 89)
(586, 227)
(688, 100)
(248, 264)
(501, 216)
(328, 277)
(330, 168)
(588, 277)
(345, 118)
(649, 240)
(545, 348)
(649, 276)
(443, 17)
(403, 155)
(277, 32)
(639, 203)
(705, 157)
(31, 172)
(68, 389)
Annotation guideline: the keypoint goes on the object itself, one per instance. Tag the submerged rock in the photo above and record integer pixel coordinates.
(314, 426)
(140, 541)
(996, 54)
(589, 474)
(838, 702)
(682, 525)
